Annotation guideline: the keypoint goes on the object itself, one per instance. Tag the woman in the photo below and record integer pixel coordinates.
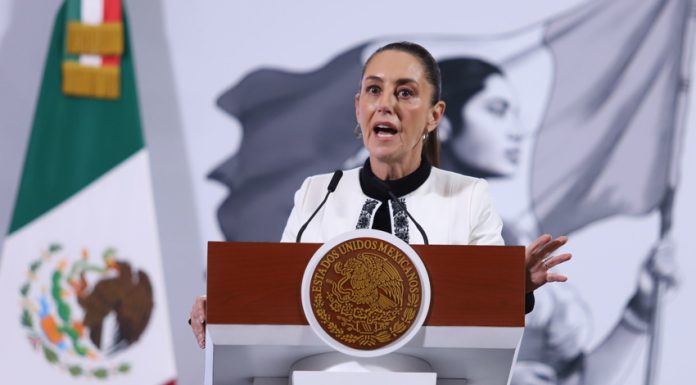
(482, 121)
(398, 109)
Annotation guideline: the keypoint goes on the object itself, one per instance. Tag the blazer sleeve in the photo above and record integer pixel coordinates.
(486, 224)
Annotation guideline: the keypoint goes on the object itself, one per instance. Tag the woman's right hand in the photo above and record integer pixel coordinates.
(197, 320)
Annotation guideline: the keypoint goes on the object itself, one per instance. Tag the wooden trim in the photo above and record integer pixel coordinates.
(259, 283)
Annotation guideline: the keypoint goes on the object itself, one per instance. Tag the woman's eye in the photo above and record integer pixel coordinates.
(404, 93)
(372, 90)
(498, 107)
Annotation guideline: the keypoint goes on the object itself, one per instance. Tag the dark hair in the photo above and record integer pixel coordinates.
(464, 78)
(431, 147)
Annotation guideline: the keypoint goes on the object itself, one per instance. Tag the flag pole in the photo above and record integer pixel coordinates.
(667, 204)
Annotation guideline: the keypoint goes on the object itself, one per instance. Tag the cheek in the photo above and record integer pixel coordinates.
(415, 119)
(487, 132)
(480, 140)
(366, 105)
(360, 109)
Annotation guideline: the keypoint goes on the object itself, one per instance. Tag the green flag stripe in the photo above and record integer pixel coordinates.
(73, 13)
(74, 140)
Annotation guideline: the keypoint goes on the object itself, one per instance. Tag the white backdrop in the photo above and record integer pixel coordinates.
(214, 44)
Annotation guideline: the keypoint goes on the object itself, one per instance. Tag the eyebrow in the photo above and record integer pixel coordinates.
(398, 81)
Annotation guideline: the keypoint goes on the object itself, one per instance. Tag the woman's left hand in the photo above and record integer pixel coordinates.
(540, 260)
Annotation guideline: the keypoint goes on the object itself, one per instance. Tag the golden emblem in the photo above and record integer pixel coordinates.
(365, 293)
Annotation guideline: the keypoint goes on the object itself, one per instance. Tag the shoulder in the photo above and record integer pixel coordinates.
(456, 183)
(314, 187)
(472, 193)
(322, 180)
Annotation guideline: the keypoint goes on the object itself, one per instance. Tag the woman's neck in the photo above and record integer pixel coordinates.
(391, 171)
(400, 187)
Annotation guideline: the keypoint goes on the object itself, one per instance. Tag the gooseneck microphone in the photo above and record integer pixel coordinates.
(337, 175)
(385, 188)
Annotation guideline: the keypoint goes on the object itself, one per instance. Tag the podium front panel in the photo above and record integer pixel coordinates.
(260, 283)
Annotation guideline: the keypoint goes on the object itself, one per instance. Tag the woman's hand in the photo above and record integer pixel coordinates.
(540, 260)
(197, 320)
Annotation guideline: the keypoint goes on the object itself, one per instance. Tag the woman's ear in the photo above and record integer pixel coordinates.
(437, 112)
(357, 109)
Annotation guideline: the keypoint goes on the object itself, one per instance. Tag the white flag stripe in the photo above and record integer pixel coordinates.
(91, 60)
(91, 12)
(117, 210)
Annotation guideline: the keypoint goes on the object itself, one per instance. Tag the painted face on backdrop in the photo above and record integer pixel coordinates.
(394, 108)
(491, 133)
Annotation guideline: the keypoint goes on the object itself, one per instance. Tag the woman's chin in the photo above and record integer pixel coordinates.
(490, 170)
(384, 157)
(383, 152)
(502, 171)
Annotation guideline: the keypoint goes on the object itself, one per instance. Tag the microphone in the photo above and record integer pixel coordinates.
(385, 188)
(337, 175)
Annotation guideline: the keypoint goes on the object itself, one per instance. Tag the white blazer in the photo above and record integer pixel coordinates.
(453, 209)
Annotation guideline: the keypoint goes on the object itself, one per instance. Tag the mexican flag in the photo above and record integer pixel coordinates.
(81, 279)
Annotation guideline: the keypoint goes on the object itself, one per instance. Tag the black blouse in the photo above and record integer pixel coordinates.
(399, 187)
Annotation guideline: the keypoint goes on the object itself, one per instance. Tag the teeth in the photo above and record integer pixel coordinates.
(383, 130)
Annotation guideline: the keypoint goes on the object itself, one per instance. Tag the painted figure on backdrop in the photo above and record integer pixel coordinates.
(482, 131)
(483, 138)
(616, 111)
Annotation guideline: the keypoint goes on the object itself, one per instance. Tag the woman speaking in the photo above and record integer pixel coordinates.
(398, 109)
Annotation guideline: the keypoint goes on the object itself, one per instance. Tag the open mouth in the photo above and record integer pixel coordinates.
(383, 130)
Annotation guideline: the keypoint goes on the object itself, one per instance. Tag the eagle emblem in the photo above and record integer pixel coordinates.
(365, 293)
(369, 279)
(82, 312)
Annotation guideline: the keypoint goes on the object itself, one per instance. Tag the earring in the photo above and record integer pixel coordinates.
(357, 131)
(425, 136)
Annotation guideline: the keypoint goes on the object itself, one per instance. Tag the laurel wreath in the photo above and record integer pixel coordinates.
(49, 353)
(348, 324)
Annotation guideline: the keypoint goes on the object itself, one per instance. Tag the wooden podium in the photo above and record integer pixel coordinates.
(257, 329)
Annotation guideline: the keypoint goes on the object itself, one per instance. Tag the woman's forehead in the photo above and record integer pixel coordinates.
(392, 65)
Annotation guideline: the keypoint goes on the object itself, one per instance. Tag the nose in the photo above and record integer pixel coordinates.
(519, 132)
(516, 132)
(515, 136)
(385, 103)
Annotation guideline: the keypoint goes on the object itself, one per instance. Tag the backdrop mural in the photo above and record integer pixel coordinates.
(588, 103)
(587, 99)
